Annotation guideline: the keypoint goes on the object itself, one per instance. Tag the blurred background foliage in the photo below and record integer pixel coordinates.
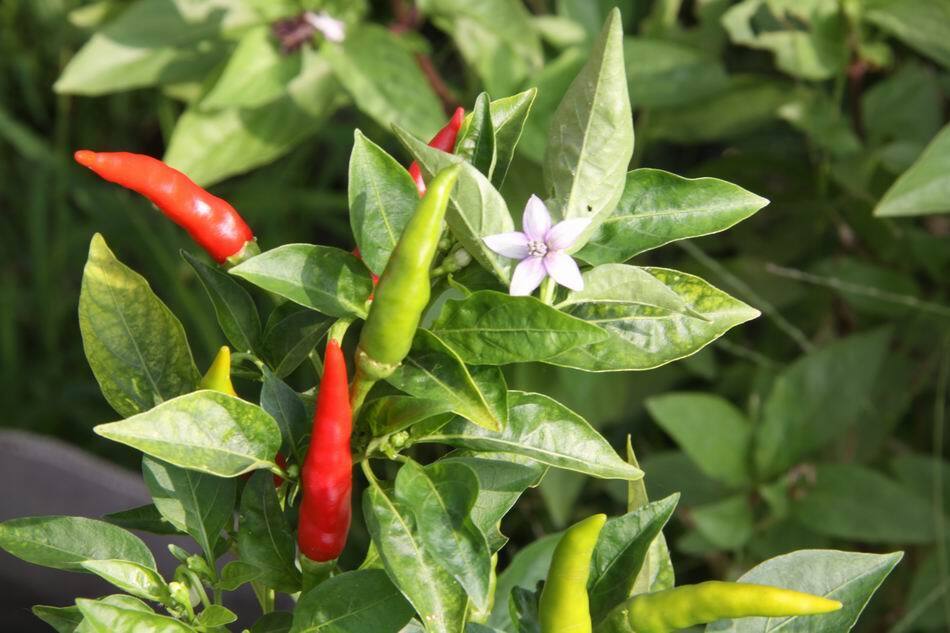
(832, 109)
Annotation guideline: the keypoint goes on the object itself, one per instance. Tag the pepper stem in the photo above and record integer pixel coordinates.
(358, 392)
(547, 291)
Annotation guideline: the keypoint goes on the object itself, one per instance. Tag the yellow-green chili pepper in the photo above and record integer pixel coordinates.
(689, 605)
(218, 376)
(564, 605)
(403, 290)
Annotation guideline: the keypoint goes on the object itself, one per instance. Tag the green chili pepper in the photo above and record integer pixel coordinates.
(218, 376)
(689, 605)
(564, 605)
(403, 290)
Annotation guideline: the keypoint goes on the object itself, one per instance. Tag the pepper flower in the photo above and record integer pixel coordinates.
(541, 249)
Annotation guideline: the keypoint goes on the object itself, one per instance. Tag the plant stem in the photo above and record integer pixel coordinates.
(358, 392)
(547, 291)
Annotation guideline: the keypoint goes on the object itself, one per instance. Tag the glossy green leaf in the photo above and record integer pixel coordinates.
(711, 430)
(382, 198)
(236, 573)
(107, 618)
(136, 347)
(199, 504)
(658, 207)
(492, 328)
(817, 398)
(264, 537)
(627, 285)
(528, 566)
(62, 619)
(288, 410)
(434, 371)
(133, 578)
(205, 431)
(363, 601)
(476, 141)
(656, 571)
(210, 145)
(476, 210)
(438, 599)
(326, 279)
(290, 335)
(845, 576)
(621, 549)
(216, 615)
(256, 72)
(381, 74)
(508, 117)
(274, 622)
(922, 189)
(391, 414)
(146, 518)
(591, 136)
(924, 26)
(544, 430)
(66, 542)
(643, 337)
(154, 42)
(441, 497)
(234, 307)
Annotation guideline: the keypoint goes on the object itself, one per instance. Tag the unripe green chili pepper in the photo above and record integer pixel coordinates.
(403, 290)
(218, 376)
(564, 605)
(689, 605)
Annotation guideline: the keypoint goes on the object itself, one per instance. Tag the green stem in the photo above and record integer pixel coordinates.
(199, 587)
(358, 392)
(338, 329)
(547, 291)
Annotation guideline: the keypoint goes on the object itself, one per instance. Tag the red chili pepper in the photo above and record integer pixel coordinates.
(327, 478)
(281, 461)
(211, 221)
(443, 140)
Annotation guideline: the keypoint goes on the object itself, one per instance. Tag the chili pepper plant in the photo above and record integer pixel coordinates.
(409, 404)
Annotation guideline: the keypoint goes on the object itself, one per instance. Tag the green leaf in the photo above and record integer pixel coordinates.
(234, 307)
(643, 337)
(441, 497)
(264, 538)
(288, 410)
(136, 347)
(628, 285)
(621, 550)
(274, 622)
(210, 145)
(544, 430)
(848, 577)
(656, 572)
(528, 566)
(382, 198)
(817, 398)
(658, 207)
(502, 478)
(922, 189)
(837, 505)
(476, 142)
(476, 210)
(236, 573)
(924, 26)
(199, 504)
(813, 46)
(107, 618)
(508, 117)
(435, 372)
(133, 578)
(495, 37)
(216, 615)
(323, 278)
(363, 601)
(146, 518)
(63, 619)
(205, 431)
(591, 136)
(727, 524)
(713, 432)
(291, 334)
(661, 73)
(492, 328)
(256, 73)
(382, 75)
(154, 42)
(66, 542)
(438, 599)
(391, 414)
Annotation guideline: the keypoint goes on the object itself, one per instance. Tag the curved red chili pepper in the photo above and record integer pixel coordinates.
(443, 140)
(326, 478)
(211, 221)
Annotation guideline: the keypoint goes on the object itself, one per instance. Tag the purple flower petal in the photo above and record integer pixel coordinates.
(563, 234)
(528, 275)
(536, 221)
(563, 270)
(513, 245)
